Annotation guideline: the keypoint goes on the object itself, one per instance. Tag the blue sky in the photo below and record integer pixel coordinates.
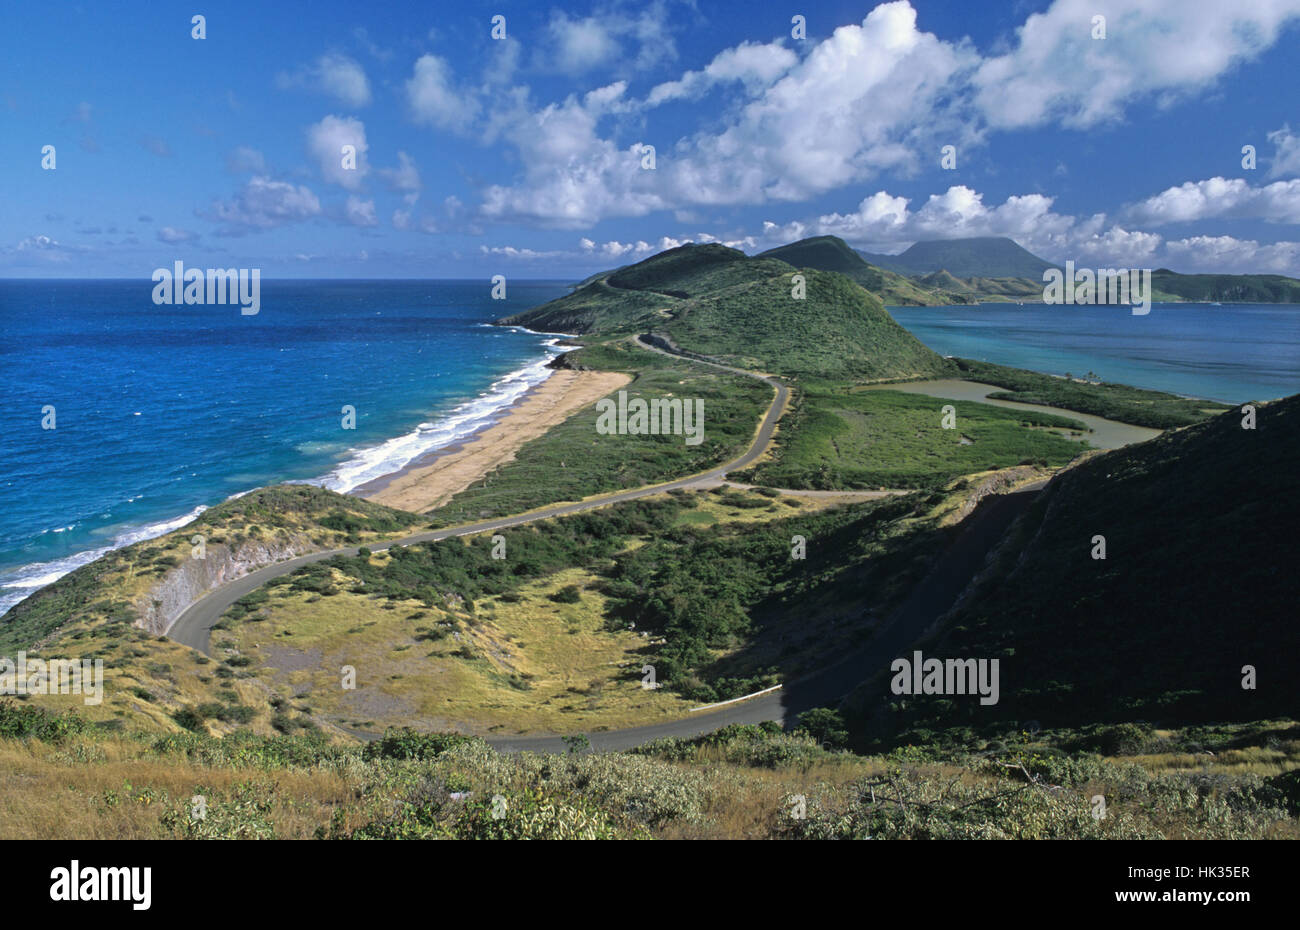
(519, 156)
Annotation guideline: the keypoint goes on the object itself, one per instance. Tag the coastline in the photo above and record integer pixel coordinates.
(503, 398)
(432, 479)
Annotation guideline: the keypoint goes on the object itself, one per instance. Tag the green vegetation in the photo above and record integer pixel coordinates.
(107, 590)
(1138, 406)
(830, 253)
(751, 782)
(838, 331)
(1195, 586)
(835, 439)
(724, 604)
(720, 303)
(1231, 288)
(731, 610)
(572, 461)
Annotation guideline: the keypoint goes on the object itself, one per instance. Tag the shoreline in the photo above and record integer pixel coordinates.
(23, 580)
(431, 479)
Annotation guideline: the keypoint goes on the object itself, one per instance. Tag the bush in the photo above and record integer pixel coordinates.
(569, 594)
(405, 743)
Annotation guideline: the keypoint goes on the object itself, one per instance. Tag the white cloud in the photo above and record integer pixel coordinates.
(38, 244)
(1237, 256)
(580, 44)
(1286, 160)
(751, 64)
(337, 75)
(170, 234)
(264, 204)
(360, 212)
(325, 141)
(611, 37)
(405, 177)
(1225, 198)
(861, 101)
(1058, 72)
(434, 100)
(572, 177)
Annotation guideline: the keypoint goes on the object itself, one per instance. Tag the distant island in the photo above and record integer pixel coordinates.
(997, 269)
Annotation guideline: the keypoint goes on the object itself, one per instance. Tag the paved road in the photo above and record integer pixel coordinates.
(931, 598)
(194, 626)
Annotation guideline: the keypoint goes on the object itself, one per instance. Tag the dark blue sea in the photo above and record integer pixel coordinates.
(161, 411)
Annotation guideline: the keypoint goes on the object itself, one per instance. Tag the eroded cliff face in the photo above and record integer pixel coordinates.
(159, 607)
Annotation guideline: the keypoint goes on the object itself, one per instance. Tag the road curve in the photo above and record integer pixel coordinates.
(194, 626)
(956, 566)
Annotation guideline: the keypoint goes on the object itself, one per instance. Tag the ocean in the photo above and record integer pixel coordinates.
(162, 411)
(1231, 353)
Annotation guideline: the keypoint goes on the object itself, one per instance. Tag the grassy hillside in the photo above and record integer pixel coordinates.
(719, 302)
(837, 438)
(59, 778)
(105, 590)
(1226, 288)
(980, 289)
(572, 461)
(830, 253)
(1198, 581)
(838, 331)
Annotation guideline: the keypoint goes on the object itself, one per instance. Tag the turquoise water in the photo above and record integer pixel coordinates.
(164, 410)
(1231, 353)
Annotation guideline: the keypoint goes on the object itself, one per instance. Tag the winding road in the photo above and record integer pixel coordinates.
(194, 626)
(931, 598)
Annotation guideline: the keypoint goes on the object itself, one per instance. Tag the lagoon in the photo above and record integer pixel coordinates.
(1231, 353)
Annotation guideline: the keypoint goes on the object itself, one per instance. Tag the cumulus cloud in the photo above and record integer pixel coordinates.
(337, 75)
(614, 35)
(265, 204)
(40, 250)
(886, 223)
(1240, 256)
(325, 142)
(751, 64)
(38, 244)
(1286, 158)
(405, 178)
(883, 221)
(1057, 71)
(434, 99)
(861, 101)
(360, 212)
(572, 176)
(1225, 198)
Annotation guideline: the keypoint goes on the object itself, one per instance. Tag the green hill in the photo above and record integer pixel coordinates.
(830, 253)
(722, 303)
(980, 257)
(1230, 288)
(1198, 581)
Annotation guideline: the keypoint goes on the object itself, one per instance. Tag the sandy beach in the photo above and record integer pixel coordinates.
(432, 480)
